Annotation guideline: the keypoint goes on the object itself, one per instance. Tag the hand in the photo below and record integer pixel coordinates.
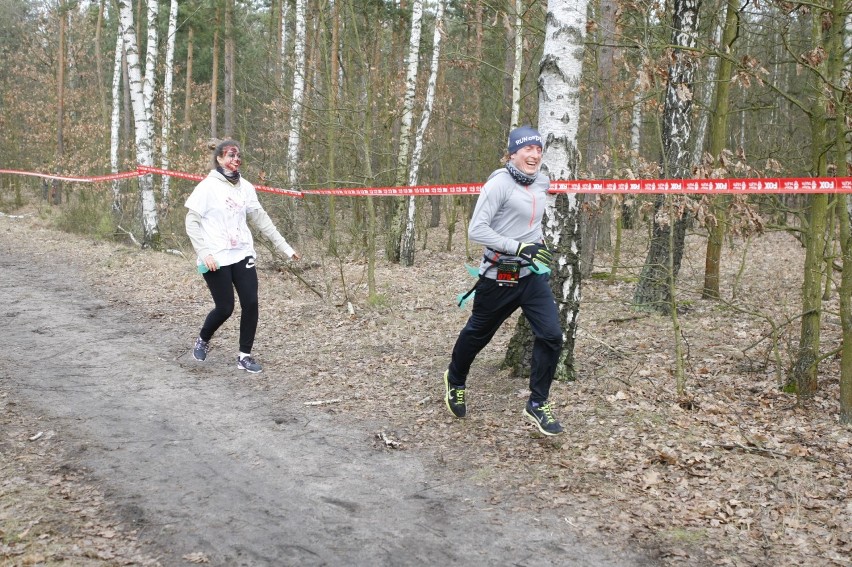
(296, 256)
(210, 262)
(534, 253)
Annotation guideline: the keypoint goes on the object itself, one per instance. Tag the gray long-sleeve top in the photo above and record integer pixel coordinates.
(507, 214)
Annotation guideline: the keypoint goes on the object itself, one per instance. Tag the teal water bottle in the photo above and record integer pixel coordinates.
(203, 269)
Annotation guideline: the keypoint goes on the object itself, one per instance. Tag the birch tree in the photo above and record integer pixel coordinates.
(666, 250)
(296, 108)
(151, 54)
(167, 96)
(394, 241)
(559, 112)
(407, 243)
(115, 120)
(150, 228)
(519, 62)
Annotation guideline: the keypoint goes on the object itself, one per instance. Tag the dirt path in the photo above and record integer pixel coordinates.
(198, 462)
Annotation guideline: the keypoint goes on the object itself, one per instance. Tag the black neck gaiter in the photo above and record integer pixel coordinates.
(519, 176)
(232, 176)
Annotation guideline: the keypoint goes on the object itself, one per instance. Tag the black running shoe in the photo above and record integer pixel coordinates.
(542, 417)
(454, 397)
(248, 364)
(200, 350)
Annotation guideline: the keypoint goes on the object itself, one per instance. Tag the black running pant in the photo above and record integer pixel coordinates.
(492, 305)
(241, 276)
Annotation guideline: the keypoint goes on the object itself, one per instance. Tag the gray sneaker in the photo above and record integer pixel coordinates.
(200, 350)
(249, 365)
(542, 416)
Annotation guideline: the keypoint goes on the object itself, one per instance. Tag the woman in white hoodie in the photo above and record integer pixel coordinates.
(216, 224)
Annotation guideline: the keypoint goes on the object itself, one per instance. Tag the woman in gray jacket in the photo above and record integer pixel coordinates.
(216, 224)
(513, 273)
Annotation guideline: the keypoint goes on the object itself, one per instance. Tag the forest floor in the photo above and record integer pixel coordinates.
(742, 475)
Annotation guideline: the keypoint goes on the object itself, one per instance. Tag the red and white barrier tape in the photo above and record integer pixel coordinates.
(606, 186)
(96, 179)
(143, 169)
(699, 186)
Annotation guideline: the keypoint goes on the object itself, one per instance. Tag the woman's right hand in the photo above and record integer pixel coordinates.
(210, 262)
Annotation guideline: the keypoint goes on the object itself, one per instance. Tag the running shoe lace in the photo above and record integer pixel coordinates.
(547, 410)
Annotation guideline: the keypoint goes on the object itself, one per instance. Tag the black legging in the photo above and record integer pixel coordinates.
(222, 282)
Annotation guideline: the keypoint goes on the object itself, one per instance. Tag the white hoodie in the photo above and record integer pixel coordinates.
(216, 221)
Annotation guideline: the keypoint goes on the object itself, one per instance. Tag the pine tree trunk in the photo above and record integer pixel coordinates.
(99, 66)
(214, 79)
(230, 71)
(187, 99)
(332, 127)
(602, 106)
(56, 186)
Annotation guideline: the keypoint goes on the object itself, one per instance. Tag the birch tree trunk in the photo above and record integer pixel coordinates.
(296, 108)
(559, 111)
(519, 63)
(397, 225)
(151, 54)
(151, 233)
(167, 97)
(660, 270)
(115, 121)
(407, 244)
